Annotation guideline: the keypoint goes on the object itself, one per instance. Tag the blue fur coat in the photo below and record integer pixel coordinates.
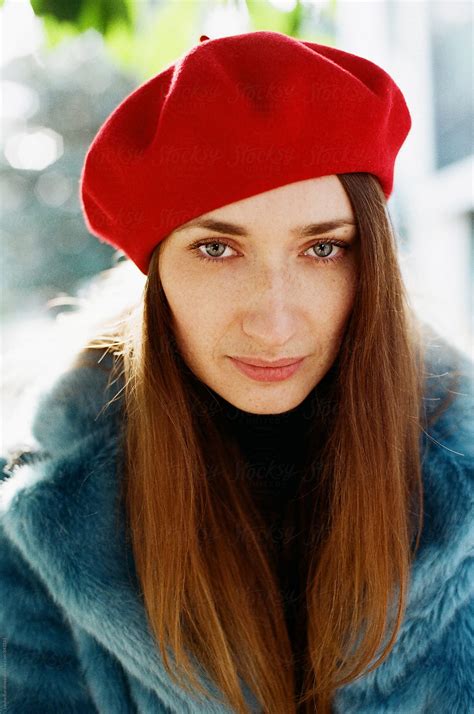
(74, 632)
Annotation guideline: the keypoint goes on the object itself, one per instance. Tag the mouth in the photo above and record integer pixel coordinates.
(266, 373)
(283, 362)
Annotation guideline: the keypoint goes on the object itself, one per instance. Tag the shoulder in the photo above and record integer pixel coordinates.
(448, 403)
(81, 400)
(447, 460)
(74, 419)
(66, 486)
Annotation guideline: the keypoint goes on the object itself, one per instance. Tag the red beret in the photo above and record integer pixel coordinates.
(233, 117)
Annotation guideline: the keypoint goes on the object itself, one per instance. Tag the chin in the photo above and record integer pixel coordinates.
(271, 406)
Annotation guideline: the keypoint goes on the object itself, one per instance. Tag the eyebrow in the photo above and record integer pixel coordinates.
(311, 229)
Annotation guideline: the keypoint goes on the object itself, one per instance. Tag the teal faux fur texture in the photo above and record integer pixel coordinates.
(74, 631)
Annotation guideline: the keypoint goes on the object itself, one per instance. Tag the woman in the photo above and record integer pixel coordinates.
(194, 533)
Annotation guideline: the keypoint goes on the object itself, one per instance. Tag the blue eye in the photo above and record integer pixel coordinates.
(213, 245)
(326, 244)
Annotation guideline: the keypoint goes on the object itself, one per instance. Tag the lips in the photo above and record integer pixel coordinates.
(284, 362)
(266, 373)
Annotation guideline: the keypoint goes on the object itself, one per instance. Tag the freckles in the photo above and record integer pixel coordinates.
(333, 305)
(347, 285)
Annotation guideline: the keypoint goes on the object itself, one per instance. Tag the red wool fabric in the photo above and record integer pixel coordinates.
(233, 117)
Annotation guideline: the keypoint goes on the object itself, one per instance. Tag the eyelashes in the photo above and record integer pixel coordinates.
(345, 247)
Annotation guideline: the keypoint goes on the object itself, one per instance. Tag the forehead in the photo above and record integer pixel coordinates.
(296, 205)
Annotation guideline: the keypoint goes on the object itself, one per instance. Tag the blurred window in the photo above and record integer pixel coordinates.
(452, 62)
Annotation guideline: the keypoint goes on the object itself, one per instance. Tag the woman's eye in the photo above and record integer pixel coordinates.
(213, 251)
(326, 249)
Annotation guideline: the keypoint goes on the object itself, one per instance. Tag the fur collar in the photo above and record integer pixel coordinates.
(60, 511)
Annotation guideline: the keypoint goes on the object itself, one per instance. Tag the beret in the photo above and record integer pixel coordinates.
(233, 117)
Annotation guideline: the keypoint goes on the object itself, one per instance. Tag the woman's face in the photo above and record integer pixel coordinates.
(266, 291)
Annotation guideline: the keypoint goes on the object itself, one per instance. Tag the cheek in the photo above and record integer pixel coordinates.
(345, 299)
(334, 301)
(197, 320)
(337, 293)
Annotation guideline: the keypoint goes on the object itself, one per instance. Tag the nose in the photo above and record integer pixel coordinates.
(271, 318)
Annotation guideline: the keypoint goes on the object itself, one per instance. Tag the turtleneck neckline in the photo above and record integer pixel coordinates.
(241, 417)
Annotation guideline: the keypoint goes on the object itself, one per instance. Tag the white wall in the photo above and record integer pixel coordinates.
(434, 205)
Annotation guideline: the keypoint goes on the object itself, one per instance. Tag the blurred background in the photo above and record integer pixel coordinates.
(66, 64)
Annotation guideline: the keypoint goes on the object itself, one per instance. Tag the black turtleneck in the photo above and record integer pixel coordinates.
(274, 447)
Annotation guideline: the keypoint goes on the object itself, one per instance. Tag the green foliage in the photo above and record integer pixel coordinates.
(266, 16)
(63, 18)
(144, 38)
(166, 33)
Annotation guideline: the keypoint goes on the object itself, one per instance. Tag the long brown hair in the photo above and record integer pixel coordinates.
(207, 579)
